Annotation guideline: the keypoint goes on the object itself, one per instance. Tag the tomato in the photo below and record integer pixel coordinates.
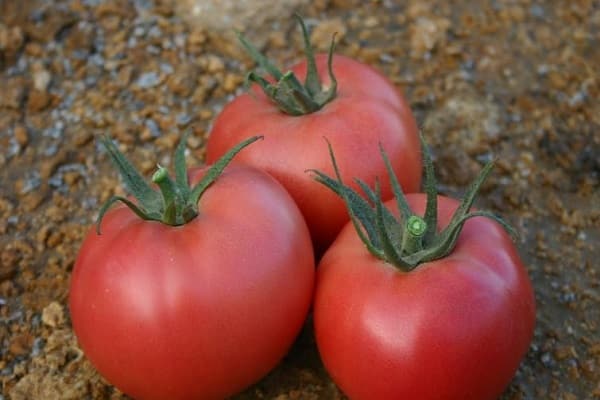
(453, 328)
(366, 110)
(202, 309)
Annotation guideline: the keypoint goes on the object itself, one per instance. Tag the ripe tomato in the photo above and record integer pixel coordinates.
(200, 310)
(366, 111)
(453, 328)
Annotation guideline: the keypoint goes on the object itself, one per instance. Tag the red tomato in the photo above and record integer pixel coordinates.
(201, 310)
(367, 110)
(454, 328)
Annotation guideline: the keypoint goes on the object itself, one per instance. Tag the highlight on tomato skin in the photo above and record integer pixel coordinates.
(169, 308)
(333, 96)
(421, 297)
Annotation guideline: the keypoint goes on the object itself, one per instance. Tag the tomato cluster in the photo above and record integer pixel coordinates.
(196, 287)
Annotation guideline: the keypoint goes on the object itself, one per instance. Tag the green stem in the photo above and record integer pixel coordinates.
(412, 238)
(170, 194)
(303, 103)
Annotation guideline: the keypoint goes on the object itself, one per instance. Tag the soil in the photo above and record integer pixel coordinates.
(514, 80)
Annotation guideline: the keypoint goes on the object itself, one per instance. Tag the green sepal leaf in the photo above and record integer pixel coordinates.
(396, 188)
(392, 255)
(133, 181)
(312, 81)
(388, 217)
(138, 211)
(359, 210)
(469, 198)
(217, 168)
(259, 58)
(325, 96)
(173, 197)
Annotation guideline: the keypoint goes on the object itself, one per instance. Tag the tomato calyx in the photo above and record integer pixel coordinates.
(176, 202)
(410, 240)
(288, 93)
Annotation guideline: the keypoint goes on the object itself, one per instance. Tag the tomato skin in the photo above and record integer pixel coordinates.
(454, 328)
(368, 110)
(202, 310)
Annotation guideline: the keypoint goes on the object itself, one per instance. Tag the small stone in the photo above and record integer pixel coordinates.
(564, 352)
(8, 265)
(427, 33)
(322, 34)
(196, 39)
(537, 11)
(55, 238)
(231, 82)
(82, 138)
(21, 136)
(34, 49)
(41, 78)
(183, 119)
(168, 141)
(194, 142)
(13, 93)
(11, 40)
(183, 81)
(49, 166)
(214, 64)
(53, 315)
(124, 75)
(225, 15)
(148, 80)
(152, 127)
(418, 8)
(20, 344)
(28, 184)
(277, 39)
(32, 200)
(205, 114)
(38, 100)
(371, 22)
(71, 177)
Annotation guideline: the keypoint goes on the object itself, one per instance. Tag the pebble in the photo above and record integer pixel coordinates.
(53, 315)
(21, 136)
(213, 64)
(148, 80)
(183, 119)
(11, 40)
(152, 127)
(41, 78)
(225, 15)
(322, 34)
(38, 100)
(426, 33)
(13, 93)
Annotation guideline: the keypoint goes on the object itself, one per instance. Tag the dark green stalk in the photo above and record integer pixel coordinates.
(412, 238)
